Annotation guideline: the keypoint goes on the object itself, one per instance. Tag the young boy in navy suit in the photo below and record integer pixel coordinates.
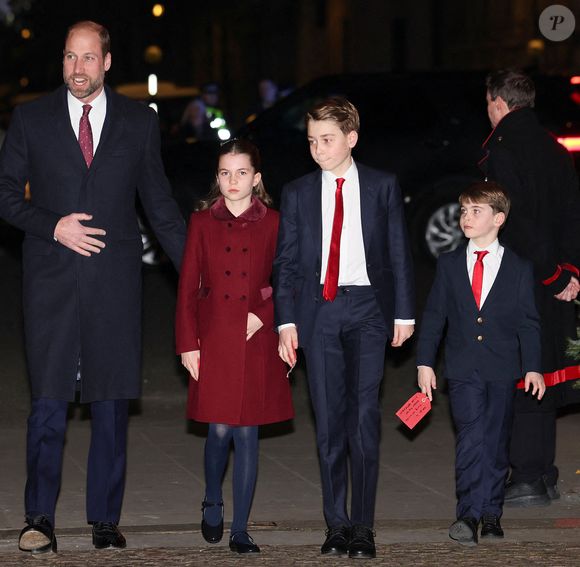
(484, 292)
(343, 288)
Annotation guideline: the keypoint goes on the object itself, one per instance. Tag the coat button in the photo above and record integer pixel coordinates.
(226, 296)
(228, 249)
(479, 320)
(480, 338)
(244, 249)
(244, 274)
(243, 298)
(229, 225)
(228, 273)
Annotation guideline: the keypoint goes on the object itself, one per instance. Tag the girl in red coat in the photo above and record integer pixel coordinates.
(225, 335)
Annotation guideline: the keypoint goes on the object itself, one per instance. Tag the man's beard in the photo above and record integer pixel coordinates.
(83, 91)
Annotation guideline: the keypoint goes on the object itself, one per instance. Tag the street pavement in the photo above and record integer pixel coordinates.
(161, 514)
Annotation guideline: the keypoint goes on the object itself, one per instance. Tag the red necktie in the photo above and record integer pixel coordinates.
(86, 135)
(331, 279)
(477, 279)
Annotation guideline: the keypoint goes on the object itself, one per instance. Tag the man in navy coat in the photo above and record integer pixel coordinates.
(86, 153)
(343, 287)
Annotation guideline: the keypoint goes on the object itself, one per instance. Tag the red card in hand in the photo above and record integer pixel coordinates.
(414, 410)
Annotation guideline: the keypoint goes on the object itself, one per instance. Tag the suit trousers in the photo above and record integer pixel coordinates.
(106, 462)
(345, 364)
(482, 412)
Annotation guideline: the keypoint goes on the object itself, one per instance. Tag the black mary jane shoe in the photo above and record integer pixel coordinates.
(241, 542)
(38, 536)
(212, 534)
(107, 534)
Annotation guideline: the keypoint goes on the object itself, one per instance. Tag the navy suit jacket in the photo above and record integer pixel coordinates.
(297, 266)
(501, 341)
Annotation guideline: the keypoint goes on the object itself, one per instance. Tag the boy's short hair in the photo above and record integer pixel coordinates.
(488, 193)
(339, 110)
(513, 86)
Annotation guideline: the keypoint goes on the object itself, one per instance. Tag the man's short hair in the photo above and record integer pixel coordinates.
(487, 193)
(339, 110)
(102, 32)
(513, 86)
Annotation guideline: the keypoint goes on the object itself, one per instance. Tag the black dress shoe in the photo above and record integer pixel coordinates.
(212, 534)
(107, 534)
(38, 536)
(241, 542)
(526, 494)
(336, 542)
(464, 531)
(362, 543)
(552, 489)
(490, 527)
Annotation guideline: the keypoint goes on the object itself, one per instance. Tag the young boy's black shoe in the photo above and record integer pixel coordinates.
(490, 527)
(464, 531)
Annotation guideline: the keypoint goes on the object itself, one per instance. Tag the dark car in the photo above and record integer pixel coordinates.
(427, 128)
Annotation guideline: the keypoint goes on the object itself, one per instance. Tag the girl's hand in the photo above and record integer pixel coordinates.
(191, 361)
(254, 324)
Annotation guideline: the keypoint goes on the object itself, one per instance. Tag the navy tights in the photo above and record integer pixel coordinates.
(217, 449)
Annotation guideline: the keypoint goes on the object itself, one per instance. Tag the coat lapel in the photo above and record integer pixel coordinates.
(503, 276)
(112, 127)
(312, 205)
(63, 128)
(368, 206)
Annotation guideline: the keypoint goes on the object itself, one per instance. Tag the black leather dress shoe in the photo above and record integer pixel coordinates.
(241, 542)
(464, 531)
(526, 494)
(490, 527)
(552, 489)
(107, 534)
(336, 542)
(212, 534)
(362, 543)
(38, 536)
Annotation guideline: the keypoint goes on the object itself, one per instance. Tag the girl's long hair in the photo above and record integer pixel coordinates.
(238, 146)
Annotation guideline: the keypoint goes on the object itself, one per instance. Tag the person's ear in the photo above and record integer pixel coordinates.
(107, 62)
(499, 219)
(352, 138)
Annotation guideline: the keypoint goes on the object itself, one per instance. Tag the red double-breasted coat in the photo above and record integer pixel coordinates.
(225, 274)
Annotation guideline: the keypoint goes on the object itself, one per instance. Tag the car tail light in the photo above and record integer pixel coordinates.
(571, 143)
(575, 80)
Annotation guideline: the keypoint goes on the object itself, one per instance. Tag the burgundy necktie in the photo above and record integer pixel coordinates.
(477, 279)
(331, 279)
(86, 135)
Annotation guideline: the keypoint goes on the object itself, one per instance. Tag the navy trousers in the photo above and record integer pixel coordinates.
(482, 413)
(345, 365)
(106, 462)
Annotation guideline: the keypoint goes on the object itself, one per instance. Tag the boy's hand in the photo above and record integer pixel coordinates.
(427, 380)
(401, 334)
(536, 380)
(287, 345)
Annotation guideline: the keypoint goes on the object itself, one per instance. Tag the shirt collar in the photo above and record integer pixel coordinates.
(349, 175)
(493, 248)
(97, 103)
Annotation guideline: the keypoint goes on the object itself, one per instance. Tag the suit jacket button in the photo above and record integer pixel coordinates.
(480, 338)
(480, 320)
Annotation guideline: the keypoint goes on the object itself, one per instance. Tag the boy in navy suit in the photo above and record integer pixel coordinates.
(493, 339)
(343, 288)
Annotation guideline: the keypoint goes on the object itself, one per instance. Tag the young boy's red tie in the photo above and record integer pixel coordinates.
(477, 279)
(331, 279)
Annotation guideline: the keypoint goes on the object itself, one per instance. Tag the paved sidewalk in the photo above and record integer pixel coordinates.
(161, 514)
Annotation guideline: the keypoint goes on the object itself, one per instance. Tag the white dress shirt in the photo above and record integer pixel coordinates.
(353, 266)
(491, 264)
(96, 115)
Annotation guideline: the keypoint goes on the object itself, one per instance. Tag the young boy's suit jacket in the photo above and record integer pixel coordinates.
(501, 341)
(297, 266)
